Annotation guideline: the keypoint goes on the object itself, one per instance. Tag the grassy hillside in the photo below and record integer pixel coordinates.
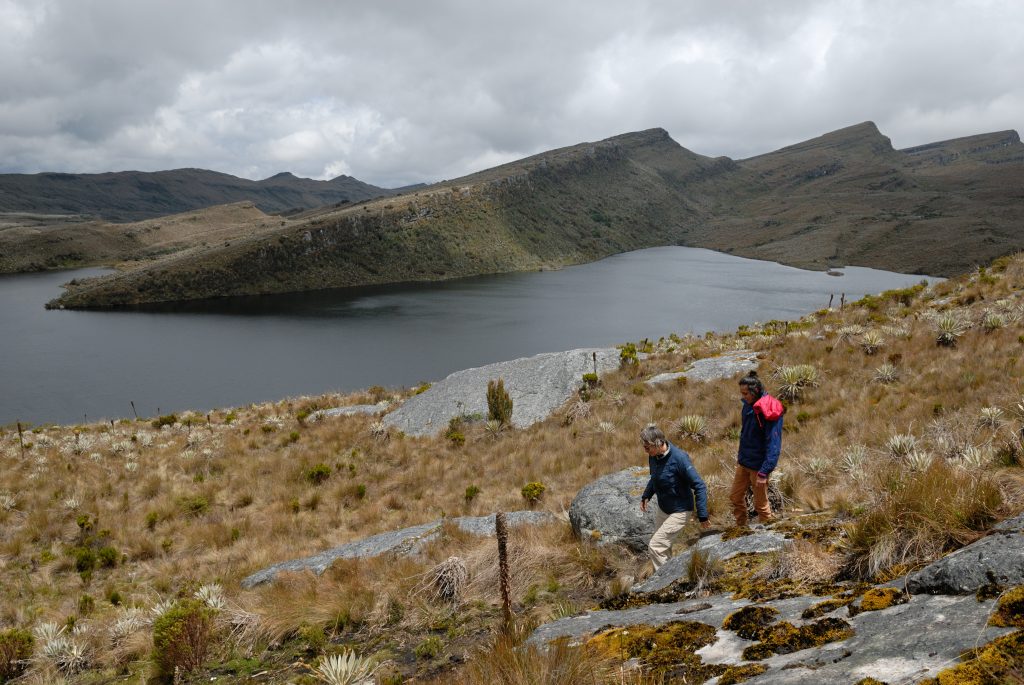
(845, 198)
(902, 443)
(38, 242)
(136, 195)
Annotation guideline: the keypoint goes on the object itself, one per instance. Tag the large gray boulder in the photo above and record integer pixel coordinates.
(997, 558)
(406, 541)
(537, 385)
(714, 547)
(608, 510)
(725, 365)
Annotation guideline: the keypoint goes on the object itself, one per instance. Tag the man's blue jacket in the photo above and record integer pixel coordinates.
(675, 480)
(760, 441)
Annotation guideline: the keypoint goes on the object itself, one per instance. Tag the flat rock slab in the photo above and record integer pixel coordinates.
(901, 644)
(997, 558)
(405, 541)
(725, 365)
(715, 547)
(608, 510)
(351, 410)
(537, 385)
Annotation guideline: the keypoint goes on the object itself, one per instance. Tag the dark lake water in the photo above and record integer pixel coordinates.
(64, 366)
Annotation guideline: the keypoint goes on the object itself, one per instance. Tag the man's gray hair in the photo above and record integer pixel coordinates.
(652, 435)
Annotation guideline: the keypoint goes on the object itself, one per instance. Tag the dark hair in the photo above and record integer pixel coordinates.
(753, 383)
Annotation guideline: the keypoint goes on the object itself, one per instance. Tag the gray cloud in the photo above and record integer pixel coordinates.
(403, 92)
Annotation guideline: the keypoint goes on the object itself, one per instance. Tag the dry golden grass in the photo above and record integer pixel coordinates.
(201, 501)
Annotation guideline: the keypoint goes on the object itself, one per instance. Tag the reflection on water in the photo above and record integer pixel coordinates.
(63, 366)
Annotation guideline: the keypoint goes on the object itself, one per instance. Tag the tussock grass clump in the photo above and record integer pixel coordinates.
(916, 516)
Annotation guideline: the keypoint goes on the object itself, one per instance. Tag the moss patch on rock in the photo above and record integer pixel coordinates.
(1009, 609)
(826, 607)
(785, 638)
(1000, 661)
(667, 651)
(750, 622)
(737, 674)
(879, 598)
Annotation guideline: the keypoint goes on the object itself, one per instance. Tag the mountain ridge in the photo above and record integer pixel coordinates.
(843, 198)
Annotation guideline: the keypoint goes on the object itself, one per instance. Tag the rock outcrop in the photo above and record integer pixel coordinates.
(997, 559)
(405, 541)
(537, 385)
(608, 510)
(725, 365)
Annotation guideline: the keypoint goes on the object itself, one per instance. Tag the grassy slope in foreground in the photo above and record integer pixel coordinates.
(905, 448)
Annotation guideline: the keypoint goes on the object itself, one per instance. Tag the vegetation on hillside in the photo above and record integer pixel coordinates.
(846, 198)
(122, 544)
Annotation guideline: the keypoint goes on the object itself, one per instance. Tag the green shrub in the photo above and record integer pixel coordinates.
(628, 355)
(182, 637)
(499, 404)
(471, 492)
(317, 474)
(108, 556)
(86, 605)
(15, 651)
(197, 505)
(167, 420)
(429, 648)
(533, 491)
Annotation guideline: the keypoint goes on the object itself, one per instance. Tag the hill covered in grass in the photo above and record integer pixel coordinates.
(902, 444)
(845, 198)
(136, 195)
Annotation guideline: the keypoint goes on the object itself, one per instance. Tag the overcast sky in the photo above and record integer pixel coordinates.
(398, 92)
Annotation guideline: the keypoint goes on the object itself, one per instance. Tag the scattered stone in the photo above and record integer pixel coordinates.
(537, 385)
(608, 510)
(406, 542)
(726, 365)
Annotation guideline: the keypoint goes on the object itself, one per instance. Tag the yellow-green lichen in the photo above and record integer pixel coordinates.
(826, 607)
(784, 637)
(1009, 609)
(997, 663)
(869, 681)
(879, 598)
(737, 674)
(750, 621)
(666, 650)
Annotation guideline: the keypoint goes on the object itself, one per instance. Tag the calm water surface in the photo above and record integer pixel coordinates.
(66, 366)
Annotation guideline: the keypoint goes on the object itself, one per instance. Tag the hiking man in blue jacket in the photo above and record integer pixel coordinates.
(679, 489)
(758, 454)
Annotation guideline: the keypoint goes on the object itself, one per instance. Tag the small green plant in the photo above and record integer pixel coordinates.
(196, 505)
(949, 327)
(346, 668)
(429, 648)
(471, 492)
(533, 491)
(794, 380)
(499, 403)
(693, 427)
(15, 651)
(454, 434)
(886, 374)
(166, 420)
(628, 356)
(317, 474)
(871, 342)
(182, 637)
(86, 605)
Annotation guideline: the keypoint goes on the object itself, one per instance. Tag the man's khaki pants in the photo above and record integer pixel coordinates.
(668, 526)
(748, 477)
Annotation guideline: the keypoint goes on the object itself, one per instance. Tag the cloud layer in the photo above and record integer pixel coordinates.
(405, 91)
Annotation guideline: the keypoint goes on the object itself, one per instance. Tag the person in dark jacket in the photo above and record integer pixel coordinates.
(679, 488)
(758, 454)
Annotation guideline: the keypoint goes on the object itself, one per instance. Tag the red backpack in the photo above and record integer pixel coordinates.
(768, 407)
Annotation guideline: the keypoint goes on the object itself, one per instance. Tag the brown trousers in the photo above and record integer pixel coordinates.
(748, 477)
